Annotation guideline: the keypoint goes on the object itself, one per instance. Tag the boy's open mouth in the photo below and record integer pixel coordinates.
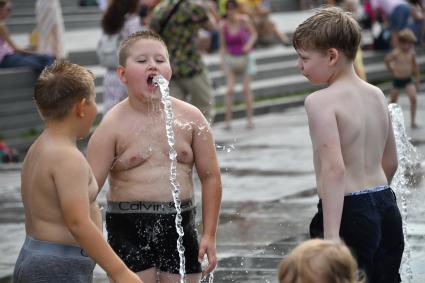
(150, 80)
(151, 84)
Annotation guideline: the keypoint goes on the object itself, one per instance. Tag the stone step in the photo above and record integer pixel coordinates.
(66, 10)
(23, 20)
(79, 21)
(274, 62)
(273, 80)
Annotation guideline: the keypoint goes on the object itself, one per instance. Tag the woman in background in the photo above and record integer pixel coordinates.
(237, 38)
(121, 17)
(12, 55)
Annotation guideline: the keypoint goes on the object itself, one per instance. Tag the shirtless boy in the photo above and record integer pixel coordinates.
(401, 62)
(354, 150)
(63, 222)
(130, 147)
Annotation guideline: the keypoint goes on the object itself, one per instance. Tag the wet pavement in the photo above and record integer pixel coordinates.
(268, 199)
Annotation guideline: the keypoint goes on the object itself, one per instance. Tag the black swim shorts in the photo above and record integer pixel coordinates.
(143, 234)
(401, 83)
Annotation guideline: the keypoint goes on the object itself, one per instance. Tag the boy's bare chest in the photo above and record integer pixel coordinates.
(151, 147)
(403, 59)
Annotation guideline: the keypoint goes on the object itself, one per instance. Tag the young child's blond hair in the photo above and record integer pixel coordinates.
(60, 86)
(319, 260)
(407, 36)
(329, 27)
(124, 49)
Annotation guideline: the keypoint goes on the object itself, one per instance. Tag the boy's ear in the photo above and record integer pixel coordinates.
(333, 55)
(80, 108)
(121, 72)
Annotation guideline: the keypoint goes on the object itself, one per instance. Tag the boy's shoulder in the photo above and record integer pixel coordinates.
(186, 111)
(318, 96)
(54, 155)
(334, 95)
(184, 106)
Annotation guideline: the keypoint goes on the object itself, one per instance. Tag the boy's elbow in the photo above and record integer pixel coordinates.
(394, 167)
(390, 169)
(76, 226)
(336, 172)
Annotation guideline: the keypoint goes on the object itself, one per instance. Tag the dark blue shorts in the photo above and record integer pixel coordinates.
(401, 83)
(371, 226)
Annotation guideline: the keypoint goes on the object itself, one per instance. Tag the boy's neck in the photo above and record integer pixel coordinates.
(61, 129)
(342, 72)
(146, 106)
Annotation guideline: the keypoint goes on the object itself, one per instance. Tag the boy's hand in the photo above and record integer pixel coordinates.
(417, 84)
(127, 276)
(207, 246)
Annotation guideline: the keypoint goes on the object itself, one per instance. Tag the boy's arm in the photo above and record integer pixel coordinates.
(415, 70)
(389, 157)
(209, 174)
(71, 179)
(387, 60)
(330, 168)
(101, 153)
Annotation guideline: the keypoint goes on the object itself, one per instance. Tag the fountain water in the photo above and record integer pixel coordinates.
(409, 161)
(165, 99)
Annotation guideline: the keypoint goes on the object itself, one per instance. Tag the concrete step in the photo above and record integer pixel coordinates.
(66, 10)
(25, 4)
(79, 21)
(277, 77)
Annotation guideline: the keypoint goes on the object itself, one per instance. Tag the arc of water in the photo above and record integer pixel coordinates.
(166, 101)
(408, 160)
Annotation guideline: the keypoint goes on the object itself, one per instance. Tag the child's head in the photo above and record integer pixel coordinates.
(406, 36)
(318, 261)
(329, 27)
(60, 86)
(5, 9)
(231, 6)
(142, 56)
(126, 46)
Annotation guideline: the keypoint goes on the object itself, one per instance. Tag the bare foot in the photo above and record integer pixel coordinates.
(414, 126)
(250, 126)
(227, 127)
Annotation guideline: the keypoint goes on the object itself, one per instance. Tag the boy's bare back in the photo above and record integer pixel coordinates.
(54, 166)
(350, 117)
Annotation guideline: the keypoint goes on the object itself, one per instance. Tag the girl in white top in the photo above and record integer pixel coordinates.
(121, 16)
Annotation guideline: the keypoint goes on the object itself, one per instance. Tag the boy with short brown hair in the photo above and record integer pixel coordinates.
(401, 62)
(354, 150)
(131, 147)
(63, 221)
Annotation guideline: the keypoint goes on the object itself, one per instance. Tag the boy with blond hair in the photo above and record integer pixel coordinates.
(63, 221)
(319, 261)
(401, 62)
(130, 146)
(354, 150)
